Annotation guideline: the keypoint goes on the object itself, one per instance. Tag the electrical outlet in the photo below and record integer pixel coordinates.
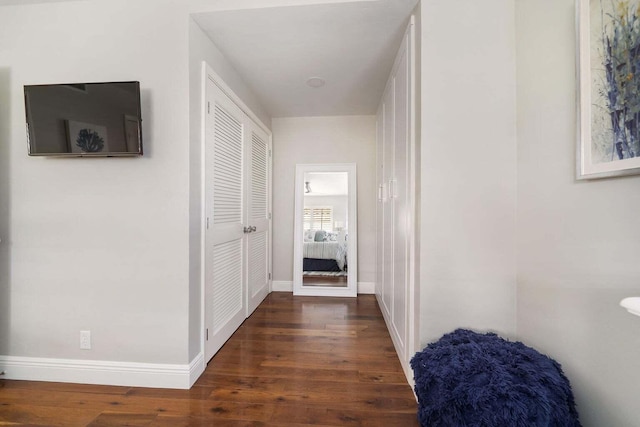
(85, 340)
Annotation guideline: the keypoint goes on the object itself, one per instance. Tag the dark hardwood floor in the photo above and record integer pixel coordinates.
(297, 361)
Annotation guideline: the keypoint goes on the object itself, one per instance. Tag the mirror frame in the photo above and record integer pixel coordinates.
(351, 290)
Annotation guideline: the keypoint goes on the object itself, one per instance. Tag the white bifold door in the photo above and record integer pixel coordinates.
(237, 210)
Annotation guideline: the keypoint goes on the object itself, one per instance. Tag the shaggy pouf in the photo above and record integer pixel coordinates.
(472, 379)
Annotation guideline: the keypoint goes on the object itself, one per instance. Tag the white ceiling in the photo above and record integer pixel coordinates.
(351, 44)
(276, 50)
(13, 2)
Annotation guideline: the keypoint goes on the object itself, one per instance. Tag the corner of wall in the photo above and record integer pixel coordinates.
(5, 212)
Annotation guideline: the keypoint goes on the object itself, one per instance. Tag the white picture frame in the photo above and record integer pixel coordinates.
(608, 143)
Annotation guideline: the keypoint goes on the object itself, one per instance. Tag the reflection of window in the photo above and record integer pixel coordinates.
(318, 218)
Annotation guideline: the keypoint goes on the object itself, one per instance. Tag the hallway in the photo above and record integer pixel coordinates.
(296, 361)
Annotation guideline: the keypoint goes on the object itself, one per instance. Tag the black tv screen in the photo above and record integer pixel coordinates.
(84, 119)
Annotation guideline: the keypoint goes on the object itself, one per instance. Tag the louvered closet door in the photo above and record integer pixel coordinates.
(258, 241)
(224, 252)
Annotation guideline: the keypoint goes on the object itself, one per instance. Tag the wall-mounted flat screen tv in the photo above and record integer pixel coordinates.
(84, 119)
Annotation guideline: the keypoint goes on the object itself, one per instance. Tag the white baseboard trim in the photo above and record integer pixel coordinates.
(196, 368)
(154, 375)
(368, 288)
(282, 286)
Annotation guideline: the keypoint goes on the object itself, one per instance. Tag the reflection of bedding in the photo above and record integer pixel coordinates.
(314, 264)
(326, 250)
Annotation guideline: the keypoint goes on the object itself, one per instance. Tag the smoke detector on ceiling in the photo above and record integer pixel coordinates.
(316, 82)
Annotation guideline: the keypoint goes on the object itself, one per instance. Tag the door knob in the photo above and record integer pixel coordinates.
(253, 228)
(247, 230)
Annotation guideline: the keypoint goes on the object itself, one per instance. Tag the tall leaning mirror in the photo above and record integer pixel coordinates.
(325, 246)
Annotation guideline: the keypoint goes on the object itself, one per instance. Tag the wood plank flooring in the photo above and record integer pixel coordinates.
(297, 361)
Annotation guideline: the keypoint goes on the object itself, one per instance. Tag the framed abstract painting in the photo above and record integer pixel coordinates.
(608, 64)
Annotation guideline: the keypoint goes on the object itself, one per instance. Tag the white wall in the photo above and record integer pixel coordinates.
(415, 293)
(98, 244)
(578, 241)
(340, 139)
(468, 167)
(5, 202)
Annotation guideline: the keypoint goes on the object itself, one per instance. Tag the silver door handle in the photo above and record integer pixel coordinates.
(247, 230)
(253, 228)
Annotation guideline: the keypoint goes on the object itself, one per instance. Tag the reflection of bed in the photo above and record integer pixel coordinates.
(324, 256)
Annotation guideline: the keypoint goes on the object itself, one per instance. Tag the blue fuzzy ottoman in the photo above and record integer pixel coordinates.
(471, 379)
